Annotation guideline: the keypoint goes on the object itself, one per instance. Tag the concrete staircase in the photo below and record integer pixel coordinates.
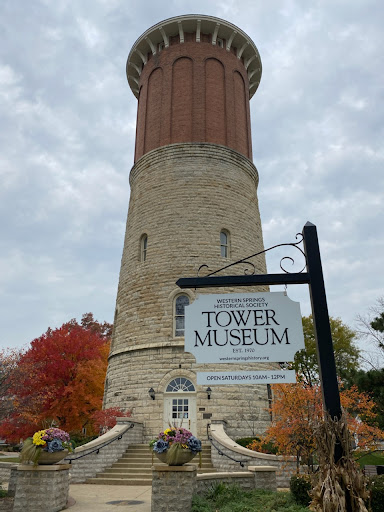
(134, 468)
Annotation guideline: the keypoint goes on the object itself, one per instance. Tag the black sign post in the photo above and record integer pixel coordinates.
(314, 278)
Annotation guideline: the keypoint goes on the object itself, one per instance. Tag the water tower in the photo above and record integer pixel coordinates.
(193, 201)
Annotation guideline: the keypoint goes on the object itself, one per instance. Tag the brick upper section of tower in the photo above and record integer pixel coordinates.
(193, 76)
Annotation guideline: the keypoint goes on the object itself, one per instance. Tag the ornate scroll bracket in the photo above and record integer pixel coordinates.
(251, 268)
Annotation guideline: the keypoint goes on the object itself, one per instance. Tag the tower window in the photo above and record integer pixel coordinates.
(143, 247)
(180, 303)
(161, 46)
(220, 42)
(224, 244)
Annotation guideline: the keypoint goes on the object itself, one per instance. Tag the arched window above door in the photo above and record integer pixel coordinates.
(180, 384)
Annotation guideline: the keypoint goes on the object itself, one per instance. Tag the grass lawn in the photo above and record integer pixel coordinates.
(372, 459)
(222, 498)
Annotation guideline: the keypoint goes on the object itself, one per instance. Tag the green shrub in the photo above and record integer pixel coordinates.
(200, 504)
(229, 498)
(267, 447)
(216, 490)
(376, 486)
(300, 485)
(245, 441)
(78, 439)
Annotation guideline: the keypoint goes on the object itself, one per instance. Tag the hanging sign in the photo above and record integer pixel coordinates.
(258, 377)
(243, 328)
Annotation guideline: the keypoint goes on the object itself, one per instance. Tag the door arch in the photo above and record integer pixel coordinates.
(180, 404)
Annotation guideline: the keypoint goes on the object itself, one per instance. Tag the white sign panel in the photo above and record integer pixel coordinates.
(243, 328)
(260, 377)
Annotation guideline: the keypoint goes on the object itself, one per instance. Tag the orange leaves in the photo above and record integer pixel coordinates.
(297, 408)
(293, 411)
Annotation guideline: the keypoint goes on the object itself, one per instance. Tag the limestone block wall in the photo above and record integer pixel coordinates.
(41, 488)
(222, 443)
(173, 487)
(240, 406)
(109, 452)
(5, 471)
(244, 480)
(182, 197)
(168, 480)
(261, 477)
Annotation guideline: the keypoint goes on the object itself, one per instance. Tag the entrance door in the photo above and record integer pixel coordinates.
(180, 411)
(180, 404)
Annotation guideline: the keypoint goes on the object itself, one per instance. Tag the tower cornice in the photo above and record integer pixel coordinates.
(192, 151)
(153, 40)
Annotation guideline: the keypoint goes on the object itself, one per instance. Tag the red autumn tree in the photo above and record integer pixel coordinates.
(106, 419)
(59, 378)
(297, 409)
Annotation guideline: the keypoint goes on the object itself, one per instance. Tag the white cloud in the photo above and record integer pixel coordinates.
(67, 142)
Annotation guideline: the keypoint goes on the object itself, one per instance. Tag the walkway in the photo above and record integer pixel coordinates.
(108, 498)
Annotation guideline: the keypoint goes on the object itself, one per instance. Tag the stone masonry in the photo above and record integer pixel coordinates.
(144, 352)
(173, 487)
(90, 459)
(41, 488)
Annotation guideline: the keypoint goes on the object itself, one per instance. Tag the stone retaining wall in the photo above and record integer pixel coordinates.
(168, 480)
(5, 471)
(261, 477)
(285, 468)
(244, 480)
(89, 465)
(95, 457)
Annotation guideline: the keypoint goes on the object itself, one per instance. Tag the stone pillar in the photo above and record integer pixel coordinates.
(12, 481)
(264, 477)
(41, 488)
(173, 487)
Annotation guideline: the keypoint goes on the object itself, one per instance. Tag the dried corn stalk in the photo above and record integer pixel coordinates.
(341, 486)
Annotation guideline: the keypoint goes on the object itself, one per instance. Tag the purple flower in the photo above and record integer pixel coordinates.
(55, 433)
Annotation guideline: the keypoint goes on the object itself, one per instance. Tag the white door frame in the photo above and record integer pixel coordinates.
(188, 419)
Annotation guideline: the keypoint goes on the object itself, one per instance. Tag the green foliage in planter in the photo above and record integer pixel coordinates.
(300, 485)
(245, 441)
(78, 439)
(376, 486)
(267, 447)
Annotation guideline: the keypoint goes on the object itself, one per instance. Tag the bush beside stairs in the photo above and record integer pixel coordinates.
(135, 467)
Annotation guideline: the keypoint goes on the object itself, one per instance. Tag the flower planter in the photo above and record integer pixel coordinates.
(182, 457)
(51, 458)
(48, 446)
(175, 446)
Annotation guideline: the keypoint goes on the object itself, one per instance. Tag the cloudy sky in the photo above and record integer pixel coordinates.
(67, 139)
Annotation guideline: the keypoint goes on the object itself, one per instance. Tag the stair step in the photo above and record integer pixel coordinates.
(120, 481)
(122, 474)
(148, 464)
(135, 467)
